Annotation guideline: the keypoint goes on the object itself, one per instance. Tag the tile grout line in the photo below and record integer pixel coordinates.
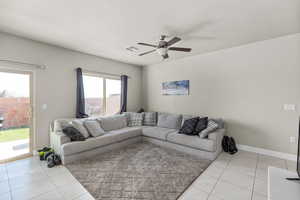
(8, 182)
(257, 160)
(218, 179)
(57, 187)
(43, 170)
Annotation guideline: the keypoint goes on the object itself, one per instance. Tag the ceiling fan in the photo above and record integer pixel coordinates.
(164, 46)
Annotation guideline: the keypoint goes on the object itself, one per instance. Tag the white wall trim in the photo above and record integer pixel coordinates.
(267, 152)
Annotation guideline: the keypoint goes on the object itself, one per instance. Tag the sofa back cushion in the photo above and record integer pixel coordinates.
(219, 121)
(113, 122)
(166, 120)
(94, 128)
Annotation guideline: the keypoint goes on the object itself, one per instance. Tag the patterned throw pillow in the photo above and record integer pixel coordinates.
(201, 125)
(150, 118)
(135, 119)
(189, 126)
(211, 126)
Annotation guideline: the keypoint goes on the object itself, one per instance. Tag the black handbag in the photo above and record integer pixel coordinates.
(232, 146)
(229, 145)
(225, 143)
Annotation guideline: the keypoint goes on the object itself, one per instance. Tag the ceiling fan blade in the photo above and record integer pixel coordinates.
(173, 41)
(147, 52)
(145, 44)
(180, 49)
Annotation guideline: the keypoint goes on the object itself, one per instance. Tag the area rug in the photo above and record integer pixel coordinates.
(140, 171)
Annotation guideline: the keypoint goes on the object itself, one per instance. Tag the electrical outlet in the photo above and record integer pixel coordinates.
(292, 139)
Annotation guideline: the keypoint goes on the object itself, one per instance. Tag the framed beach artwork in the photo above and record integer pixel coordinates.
(176, 87)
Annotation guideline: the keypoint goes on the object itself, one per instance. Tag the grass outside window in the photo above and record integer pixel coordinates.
(14, 134)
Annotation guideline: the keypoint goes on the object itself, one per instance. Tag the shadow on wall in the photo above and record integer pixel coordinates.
(244, 133)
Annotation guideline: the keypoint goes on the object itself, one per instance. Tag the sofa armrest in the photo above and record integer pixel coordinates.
(57, 139)
(217, 136)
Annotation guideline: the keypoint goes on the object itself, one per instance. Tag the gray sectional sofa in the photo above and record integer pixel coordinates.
(118, 134)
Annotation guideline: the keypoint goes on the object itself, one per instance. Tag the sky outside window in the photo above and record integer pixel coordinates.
(15, 85)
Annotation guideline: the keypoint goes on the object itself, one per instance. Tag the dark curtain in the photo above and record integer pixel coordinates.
(124, 84)
(80, 101)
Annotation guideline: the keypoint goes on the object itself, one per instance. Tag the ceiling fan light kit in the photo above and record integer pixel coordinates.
(163, 47)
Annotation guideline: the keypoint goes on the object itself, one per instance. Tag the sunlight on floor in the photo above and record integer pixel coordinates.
(14, 143)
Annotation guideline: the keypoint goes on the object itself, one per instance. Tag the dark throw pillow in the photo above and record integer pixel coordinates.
(188, 126)
(201, 125)
(73, 134)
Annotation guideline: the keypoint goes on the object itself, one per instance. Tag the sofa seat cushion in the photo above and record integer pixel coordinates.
(192, 141)
(106, 139)
(157, 132)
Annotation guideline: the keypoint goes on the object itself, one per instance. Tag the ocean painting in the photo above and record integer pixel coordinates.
(176, 87)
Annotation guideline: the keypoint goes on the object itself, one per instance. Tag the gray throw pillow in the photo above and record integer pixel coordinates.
(135, 119)
(78, 124)
(113, 122)
(94, 128)
(211, 126)
(166, 120)
(150, 118)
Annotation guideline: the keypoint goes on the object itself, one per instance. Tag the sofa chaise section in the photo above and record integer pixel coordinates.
(116, 136)
(111, 137)
(191, 141)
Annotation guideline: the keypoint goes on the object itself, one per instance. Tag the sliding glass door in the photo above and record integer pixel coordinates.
(15, 114)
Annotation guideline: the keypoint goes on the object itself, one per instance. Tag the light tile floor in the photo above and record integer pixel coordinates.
(30, 179)
(242, 176)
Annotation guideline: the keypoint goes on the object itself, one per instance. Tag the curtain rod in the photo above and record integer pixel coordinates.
(103, 73)
(24, 63)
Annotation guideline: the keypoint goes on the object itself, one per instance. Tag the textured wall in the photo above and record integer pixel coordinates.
(56, 86)
(245, 85)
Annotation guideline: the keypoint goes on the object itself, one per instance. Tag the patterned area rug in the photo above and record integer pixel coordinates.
(140, 171)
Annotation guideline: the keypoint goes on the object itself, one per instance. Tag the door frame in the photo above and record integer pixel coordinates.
(32, 139)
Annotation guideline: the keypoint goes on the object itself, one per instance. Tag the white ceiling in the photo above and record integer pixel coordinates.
(106, 27)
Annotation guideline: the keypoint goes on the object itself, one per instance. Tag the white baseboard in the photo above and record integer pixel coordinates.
(267, 152)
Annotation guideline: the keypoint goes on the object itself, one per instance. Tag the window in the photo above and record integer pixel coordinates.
(113, 94)
(102, 95)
